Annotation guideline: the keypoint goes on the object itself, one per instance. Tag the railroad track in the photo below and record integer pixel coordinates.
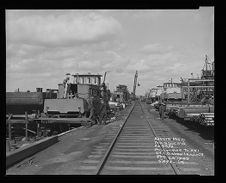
(130, 149)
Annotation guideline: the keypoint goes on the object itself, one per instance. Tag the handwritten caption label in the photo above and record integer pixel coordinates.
(173, 150)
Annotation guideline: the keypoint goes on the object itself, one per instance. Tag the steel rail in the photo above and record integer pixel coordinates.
(175, 169)
(104, 159)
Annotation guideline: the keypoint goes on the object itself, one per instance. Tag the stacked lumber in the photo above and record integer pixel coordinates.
(194, 110)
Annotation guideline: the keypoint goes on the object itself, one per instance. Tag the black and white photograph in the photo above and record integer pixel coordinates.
(110, 91)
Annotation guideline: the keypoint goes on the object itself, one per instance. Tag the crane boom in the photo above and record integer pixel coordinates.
(104, 77)
(135, 84)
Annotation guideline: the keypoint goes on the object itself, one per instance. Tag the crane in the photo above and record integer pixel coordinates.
(135, 84)
(104, 77)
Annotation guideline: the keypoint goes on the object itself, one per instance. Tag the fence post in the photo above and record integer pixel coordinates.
(8, 146)
(9, 126)
(26, 123)
(9, 131)
(38, 130)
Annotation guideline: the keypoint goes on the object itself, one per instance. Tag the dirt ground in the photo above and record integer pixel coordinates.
(69, 152)
(75, 147)
(196, 137)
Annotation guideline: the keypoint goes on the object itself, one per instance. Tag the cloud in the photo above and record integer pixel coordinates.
(41, 46)
(61, 30)
(139, 65)
(33, 62)
(89, 65)
(155, 48)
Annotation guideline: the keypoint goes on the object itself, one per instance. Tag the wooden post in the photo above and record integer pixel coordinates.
(8, 146)
(46, 122)
(37, 124)
(9, 127)
(188, 91)
(38, 128)
(38, 114)
(26, 123)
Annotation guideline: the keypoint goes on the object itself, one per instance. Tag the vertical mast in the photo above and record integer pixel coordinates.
(135, 83)
(206, 63)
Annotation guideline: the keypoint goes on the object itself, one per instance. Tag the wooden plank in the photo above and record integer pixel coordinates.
(137, 168)
(24, 152)
(15, 121)
(66, 120)
(133, 162)
(193, 79)
(133, 153)
(130, 156)
(30, 131)
(197, 87)
(21, 116)
(50, 120)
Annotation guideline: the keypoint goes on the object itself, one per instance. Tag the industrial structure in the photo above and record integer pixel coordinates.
(121, 94)
(154, 94)
(192, 99)
(133, 95)
(126, 139)
(81, 99)
(171, 91)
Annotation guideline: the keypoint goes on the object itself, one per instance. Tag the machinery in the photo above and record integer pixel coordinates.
(119, 98)
(134, 85)
(80, 99)
(121, 94)
(197, 104)
(79, 96)
(155, 94)
(171, 91)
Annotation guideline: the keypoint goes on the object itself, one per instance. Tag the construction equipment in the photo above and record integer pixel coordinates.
(81, 99)
(104, 108)
(81, 96)
(121, 94)
(134, 85)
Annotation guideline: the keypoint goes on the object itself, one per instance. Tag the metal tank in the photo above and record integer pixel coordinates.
(21, 102)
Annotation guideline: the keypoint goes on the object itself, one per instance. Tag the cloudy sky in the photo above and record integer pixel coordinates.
(42, 46)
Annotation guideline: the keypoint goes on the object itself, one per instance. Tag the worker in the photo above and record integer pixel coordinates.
(91, 107)
(162, 109)
(105, 107)
(211, 100)
(204, 100)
